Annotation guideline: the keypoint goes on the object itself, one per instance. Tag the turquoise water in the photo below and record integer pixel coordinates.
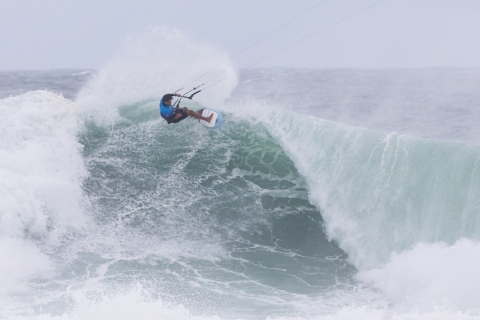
(229, 204)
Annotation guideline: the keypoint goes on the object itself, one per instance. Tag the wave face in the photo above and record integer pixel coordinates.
(383, 193)
(108, 211)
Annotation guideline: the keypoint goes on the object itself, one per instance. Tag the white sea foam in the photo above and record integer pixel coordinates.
(41, 170)
(137, 304)
(366, 313)
(431, 275)
(20, 261)
(134, 304)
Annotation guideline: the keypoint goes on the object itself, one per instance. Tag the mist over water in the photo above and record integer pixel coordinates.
(64, 82)
(436, 103)
(326, 194)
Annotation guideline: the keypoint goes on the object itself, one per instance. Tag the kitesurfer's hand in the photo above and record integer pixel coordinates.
(177, 94)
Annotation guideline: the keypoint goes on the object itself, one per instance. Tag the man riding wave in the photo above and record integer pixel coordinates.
(174, 115)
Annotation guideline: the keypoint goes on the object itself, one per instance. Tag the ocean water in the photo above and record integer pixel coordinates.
(326, 194)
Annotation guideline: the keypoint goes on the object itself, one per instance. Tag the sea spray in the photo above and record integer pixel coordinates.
(159, 62)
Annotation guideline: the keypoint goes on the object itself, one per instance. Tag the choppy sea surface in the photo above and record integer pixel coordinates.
(326, 194)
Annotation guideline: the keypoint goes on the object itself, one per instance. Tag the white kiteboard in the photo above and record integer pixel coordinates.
(216, 119)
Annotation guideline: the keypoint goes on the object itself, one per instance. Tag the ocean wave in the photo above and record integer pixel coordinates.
(381, 193)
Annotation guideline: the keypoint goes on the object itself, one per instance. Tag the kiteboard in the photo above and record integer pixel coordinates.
(216, 119)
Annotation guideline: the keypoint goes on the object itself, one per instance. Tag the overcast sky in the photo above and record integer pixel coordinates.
(49, 34)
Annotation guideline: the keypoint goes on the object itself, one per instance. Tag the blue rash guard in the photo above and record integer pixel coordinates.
(170, 114)
(165, 111)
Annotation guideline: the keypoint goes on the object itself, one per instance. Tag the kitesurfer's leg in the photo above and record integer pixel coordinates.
(192, 113)
(178, 115)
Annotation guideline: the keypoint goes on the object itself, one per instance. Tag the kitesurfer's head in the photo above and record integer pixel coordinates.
(167, 99)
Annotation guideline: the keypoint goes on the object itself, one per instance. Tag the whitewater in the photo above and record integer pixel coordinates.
(326, 194)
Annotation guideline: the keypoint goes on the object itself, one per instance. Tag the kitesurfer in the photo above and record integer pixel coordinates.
(174, 115)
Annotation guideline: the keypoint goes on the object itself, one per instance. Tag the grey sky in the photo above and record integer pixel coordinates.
(47, 34)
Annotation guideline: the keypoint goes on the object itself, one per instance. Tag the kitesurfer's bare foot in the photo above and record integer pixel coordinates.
(209, 118)
(198, 116)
